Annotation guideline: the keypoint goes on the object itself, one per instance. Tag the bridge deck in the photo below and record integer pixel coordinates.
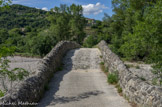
(81, 83)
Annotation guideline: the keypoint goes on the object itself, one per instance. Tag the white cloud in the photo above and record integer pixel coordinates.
(37, 8)
(93, 8)
(23, 2)
(29, 2)
(45, 8)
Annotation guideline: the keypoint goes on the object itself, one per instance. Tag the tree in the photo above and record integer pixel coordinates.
(42, 43)
(4, 3)
(12, 75)
(90, 41)
(67, 23)
(3, 35)
(77, 23)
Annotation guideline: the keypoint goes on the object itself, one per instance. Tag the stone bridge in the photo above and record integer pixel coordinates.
(70, 76)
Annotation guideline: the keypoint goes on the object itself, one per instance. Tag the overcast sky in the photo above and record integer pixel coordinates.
(91, 8)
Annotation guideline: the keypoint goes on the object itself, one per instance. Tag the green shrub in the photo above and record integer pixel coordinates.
(5, 72)
(2, 93)
(113, 78)
(119, 88)
(154, 81)
(142, 78)
(102, 66)
(129, 65)
(101, 63)
(106, 70)
(90, 41)
(137, 67)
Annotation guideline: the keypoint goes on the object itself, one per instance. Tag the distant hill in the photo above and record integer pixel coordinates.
(18, 16)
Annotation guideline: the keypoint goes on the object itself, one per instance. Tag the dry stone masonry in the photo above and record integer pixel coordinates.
(136, 90)
(31, 90)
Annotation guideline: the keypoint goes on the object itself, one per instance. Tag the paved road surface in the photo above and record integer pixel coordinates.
(81, 83)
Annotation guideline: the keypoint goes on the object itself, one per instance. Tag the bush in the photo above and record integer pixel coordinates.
(102, 63)
(142, 78)
(154, 81)
(119, 88)
(2, 93)
(5, 72)
(102, 66)
(113, 78)
(106, 69)
(90, 41)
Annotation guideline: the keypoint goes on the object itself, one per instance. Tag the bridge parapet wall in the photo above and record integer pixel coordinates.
(32, 89)
(136, 90)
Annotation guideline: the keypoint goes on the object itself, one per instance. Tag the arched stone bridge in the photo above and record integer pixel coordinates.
(76, 80)
(81, 83)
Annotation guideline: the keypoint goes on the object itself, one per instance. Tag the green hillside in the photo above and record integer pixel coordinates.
(18, 16)
(35, 32)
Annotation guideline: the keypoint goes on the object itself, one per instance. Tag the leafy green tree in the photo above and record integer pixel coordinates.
(3, 35)
(4, 3)
(42, 43)
(12, 75)
(67, 23)
(77, 23)
(59, 22)
(15, 38)
(16, 73)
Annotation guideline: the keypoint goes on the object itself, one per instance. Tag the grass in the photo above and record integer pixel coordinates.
(106, 70)
(137, 67)
(132, 66)
(142, 78)
(129, 65)
(154, 81)
(101, 63)
(2, 93)
(95, 46)
(27, 55)
(102, 66)
(160, 82)
(131, 103)
(112, 78)
(119, 89)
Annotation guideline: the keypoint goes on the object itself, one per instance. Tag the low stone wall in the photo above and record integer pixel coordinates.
(136, 90)
(32, 89)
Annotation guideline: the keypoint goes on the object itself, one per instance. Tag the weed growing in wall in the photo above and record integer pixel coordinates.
(112, 78)
(2, 93)
(119, 88)
(102, 66)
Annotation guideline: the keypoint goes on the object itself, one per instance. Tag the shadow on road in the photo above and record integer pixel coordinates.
(63, 100)
(56, 80)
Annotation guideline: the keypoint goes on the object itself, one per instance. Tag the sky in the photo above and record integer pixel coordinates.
(94, 9)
